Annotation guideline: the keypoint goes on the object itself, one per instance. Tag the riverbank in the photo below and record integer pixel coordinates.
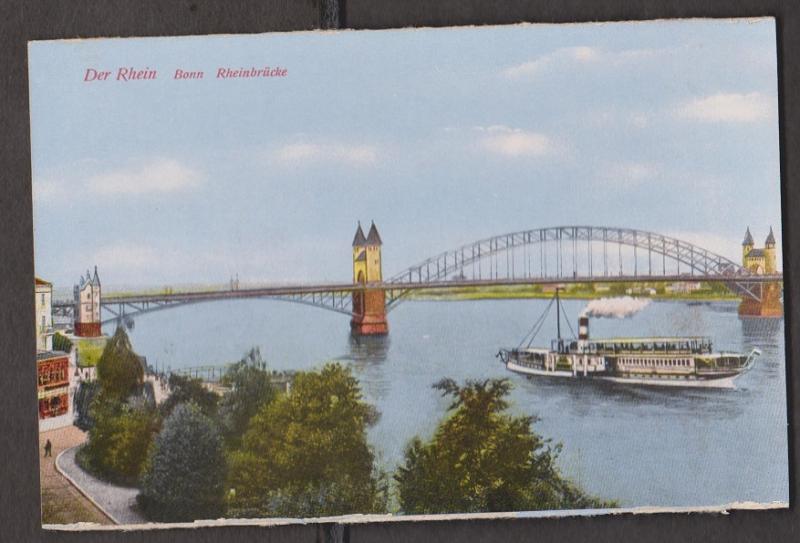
(536, 292)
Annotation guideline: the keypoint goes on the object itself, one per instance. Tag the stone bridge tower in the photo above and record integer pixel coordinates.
(369, 305)
(87, 306)
(761, 261)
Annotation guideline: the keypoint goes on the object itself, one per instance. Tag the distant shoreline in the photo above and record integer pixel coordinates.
(478, 293)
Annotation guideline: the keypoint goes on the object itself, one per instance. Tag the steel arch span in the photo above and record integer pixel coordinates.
(588, 259)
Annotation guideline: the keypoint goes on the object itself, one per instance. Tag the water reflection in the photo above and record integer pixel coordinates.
(368, 349)
(366, 354)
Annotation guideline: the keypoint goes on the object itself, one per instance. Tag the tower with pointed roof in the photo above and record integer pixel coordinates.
(760, 262)
(747, 245)
(369, 305)
(86, 312)
(770, 257)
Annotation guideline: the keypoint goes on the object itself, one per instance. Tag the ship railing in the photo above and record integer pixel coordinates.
(751, 359)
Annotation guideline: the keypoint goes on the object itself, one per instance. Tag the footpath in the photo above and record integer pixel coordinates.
(117, 502)
(62, 503)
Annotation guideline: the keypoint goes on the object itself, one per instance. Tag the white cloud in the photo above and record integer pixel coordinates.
(514, 142)
(156, 176)
(46, 190)
(300, 153)
(639, 120)
(568, 56)
(630, 174)
(727, 107)
(538, 65)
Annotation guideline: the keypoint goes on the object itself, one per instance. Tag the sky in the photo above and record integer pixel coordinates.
(441, 136)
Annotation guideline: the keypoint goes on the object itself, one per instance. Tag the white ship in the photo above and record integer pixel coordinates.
(687, 361)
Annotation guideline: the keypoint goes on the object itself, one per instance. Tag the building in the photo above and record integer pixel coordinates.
(87, 306)
(761, 262)
(640, 291)
(44, 315)
(369, 306)
(53, 375)
(54, 369)
(683, 287)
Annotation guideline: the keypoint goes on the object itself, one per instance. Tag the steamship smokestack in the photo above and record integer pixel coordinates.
(583, 328)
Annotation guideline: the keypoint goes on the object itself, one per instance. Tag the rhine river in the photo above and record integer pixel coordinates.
(640, 446)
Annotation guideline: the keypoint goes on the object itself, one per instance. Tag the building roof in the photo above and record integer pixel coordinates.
(748, 238)
(373, 238)
(89, 279)
(359, 240)
(49, 355)
(770, 238)
(756, 253)
(42, 282)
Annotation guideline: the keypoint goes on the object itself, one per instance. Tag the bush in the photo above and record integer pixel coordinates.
(120, 437)
(185, 389)
(306, 454)
(61, 343)
(119, 369)
(482, 459)
(185, 472)
(250, 388)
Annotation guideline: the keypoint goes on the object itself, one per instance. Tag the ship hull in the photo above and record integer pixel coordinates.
(726, 382)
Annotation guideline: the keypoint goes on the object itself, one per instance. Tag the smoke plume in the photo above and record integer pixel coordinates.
(615, 308)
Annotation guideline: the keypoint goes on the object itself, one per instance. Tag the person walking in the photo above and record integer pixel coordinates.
(48, 448)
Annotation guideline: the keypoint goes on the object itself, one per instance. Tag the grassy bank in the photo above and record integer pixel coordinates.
(580, 293)
(89, 350)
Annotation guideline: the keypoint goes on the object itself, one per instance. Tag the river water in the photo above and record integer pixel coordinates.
(640, 446)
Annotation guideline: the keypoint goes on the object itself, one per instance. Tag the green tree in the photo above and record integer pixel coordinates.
(482, 459)
(61, 343)
(120, 437)
(184, 478)
(82, 402)
(119, 370)
(184, 389)
(250, 387)
(306, 453)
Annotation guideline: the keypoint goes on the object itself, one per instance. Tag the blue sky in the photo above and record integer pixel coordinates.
(442, 136)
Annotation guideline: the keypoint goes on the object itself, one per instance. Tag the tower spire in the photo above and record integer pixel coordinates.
(770, 239)
(359, 240)
(373, 238)
(748, 238)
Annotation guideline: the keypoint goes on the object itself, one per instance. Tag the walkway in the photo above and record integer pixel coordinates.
(62, 503)
(117, 501)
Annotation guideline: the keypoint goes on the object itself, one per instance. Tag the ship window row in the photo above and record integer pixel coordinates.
(641, 362)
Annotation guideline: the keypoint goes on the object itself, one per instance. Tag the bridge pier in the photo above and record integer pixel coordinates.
(769, 306)
(761, 261)
(369, 313)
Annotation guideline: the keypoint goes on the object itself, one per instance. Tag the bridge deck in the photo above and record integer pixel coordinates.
(347, 288)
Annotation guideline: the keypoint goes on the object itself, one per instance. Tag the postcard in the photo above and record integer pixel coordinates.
(527, 270)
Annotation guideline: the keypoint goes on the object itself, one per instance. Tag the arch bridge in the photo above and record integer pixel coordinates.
(540, 256)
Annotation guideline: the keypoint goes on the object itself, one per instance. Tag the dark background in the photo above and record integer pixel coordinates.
(23, 20)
